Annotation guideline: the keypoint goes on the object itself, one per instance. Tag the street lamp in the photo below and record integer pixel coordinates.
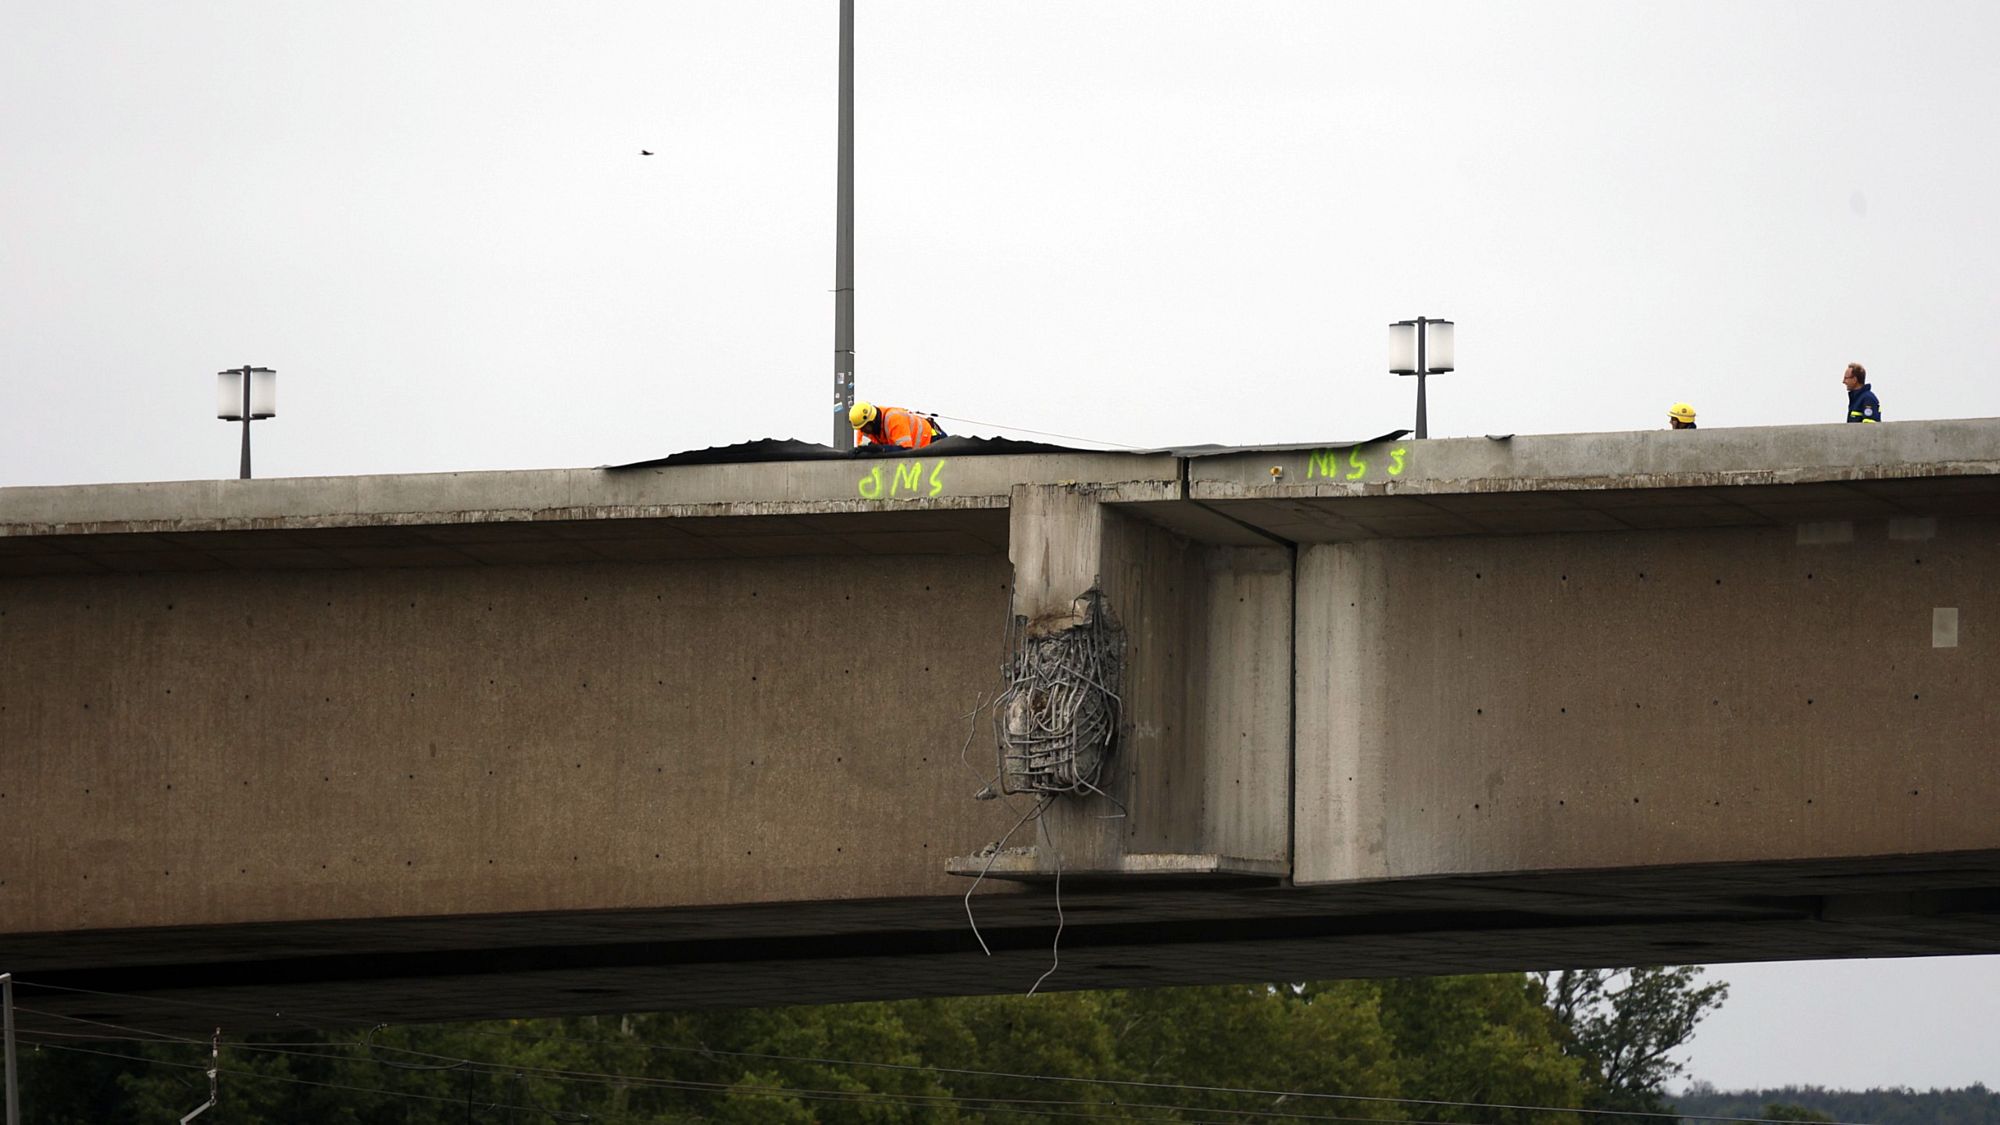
(246, 393)
(1421, 347)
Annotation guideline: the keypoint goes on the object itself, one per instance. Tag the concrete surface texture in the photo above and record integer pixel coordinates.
(710, 735)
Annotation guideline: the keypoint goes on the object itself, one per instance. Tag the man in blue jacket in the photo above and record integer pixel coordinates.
(1862, 405)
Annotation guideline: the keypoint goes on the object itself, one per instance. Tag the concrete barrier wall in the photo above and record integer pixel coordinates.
(234, 747)
(1551, 702)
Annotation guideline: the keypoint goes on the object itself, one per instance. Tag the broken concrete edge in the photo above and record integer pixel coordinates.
(1024, 863)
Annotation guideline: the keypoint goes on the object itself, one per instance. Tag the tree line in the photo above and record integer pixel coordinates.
(1970, 1105)
(1507, 1049)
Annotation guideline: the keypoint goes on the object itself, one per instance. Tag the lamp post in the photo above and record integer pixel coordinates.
(246, 393)
(1421, 347)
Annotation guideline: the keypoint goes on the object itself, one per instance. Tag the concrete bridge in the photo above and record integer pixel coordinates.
(429, 747)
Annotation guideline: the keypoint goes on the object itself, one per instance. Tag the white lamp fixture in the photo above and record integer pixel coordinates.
(1422, 347)
(1403, 347)
(243, 394)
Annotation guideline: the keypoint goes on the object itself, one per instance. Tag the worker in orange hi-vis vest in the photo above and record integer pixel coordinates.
(891, 426)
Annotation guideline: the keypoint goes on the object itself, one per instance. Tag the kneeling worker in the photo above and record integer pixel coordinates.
(891, 426)
(1680, 416)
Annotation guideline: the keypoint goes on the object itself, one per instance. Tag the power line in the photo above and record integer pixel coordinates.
(379, 1090)
(1038, 1106)
(1040, 433)
(967, 1072)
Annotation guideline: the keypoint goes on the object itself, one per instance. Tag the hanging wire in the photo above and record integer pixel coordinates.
(1041, 433)
(1055, 943)
(993, 851)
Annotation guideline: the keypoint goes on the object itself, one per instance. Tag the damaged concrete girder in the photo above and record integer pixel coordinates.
(1201, 767)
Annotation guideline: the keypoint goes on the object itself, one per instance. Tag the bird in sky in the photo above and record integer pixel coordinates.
(645, 152)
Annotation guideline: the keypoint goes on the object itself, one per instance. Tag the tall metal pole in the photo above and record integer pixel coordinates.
(13, 1082)
(245, 372)
(843, 238)
(1423, 419)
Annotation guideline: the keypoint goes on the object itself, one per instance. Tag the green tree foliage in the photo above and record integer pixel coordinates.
(1482, 1039)
(1780, 1111)
(1970, 1105)
(1625, 1024)
(1163, 1055)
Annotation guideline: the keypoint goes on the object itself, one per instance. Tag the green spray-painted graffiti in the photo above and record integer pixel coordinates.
(1359, 462)
(908, 479)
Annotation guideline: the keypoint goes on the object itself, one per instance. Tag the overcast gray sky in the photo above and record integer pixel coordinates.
(1142, 223)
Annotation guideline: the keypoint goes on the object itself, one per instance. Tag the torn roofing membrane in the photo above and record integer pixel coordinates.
(791, 449)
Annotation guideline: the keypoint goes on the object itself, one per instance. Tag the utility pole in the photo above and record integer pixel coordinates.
(843, 240)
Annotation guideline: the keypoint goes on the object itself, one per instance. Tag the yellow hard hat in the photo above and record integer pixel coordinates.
(861, 413)
(1681, 412)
